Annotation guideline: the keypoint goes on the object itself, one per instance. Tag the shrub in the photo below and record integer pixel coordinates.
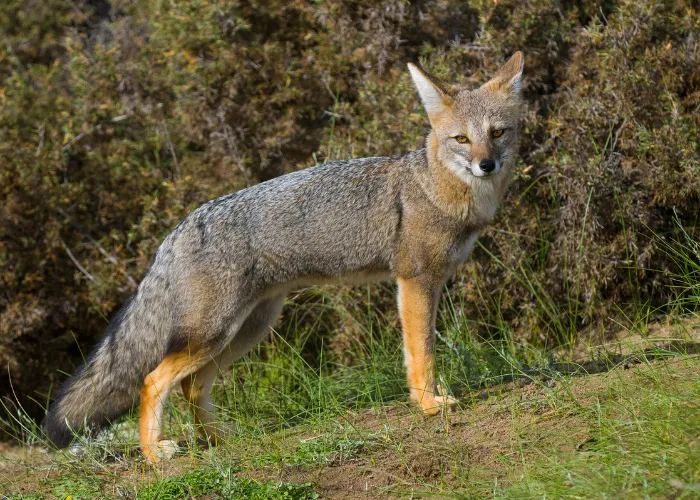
(121, 117)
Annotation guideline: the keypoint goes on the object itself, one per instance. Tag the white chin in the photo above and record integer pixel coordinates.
(483, 174)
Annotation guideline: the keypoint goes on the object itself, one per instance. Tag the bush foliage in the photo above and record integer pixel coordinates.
(117, 118)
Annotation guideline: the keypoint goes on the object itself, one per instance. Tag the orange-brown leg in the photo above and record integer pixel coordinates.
(197, 391)
(154, 393)
(418, 299)
(197, 387)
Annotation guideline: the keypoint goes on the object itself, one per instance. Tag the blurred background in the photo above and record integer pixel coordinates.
(118, 118)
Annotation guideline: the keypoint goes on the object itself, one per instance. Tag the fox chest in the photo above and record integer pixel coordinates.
(435, 253)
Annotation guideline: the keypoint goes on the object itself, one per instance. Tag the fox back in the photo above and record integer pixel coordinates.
(218, 281)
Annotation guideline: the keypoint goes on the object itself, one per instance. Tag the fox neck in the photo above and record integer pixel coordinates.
(474, 200)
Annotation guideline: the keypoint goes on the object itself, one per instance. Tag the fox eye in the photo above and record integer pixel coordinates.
(497, 133)
(462, 139)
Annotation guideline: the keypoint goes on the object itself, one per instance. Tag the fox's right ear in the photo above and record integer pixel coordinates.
(435, 99)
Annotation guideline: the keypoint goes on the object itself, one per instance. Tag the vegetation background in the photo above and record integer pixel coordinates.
(118, 118)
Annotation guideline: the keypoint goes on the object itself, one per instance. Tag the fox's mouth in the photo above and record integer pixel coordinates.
(467, 171)
(482, 174)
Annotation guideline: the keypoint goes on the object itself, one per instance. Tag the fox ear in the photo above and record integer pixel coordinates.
(509, 78)
(435, 98)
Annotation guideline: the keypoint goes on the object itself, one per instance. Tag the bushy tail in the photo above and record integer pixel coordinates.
(108, 384)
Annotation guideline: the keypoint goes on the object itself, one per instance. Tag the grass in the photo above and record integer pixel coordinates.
(223, 484)
(545, 429)
(644, 435)
(581, 421)
(314, 451)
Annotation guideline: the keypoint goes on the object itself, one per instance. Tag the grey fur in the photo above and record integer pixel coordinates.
(318, 224)
(224, 270)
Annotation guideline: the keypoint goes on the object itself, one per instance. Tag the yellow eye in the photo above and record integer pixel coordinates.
(462, 139)
(497, 133)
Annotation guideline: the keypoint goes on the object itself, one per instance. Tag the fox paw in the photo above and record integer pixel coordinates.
(162, 450)
(436, 404)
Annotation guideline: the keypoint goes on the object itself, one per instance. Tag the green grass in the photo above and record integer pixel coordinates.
(222, 484)
(620, 421)
(644, 443)
(317, 451)
(76, 486)
(632, 430)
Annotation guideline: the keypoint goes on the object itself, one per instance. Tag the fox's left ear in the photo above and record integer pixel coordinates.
(509, 78)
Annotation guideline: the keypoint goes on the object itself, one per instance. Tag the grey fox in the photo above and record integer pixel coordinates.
(218, 281)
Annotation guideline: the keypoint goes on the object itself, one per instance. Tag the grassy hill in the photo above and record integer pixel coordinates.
(120, 117)
(620, 422)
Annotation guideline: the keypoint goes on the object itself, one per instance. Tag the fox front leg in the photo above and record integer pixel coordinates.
(417, 300)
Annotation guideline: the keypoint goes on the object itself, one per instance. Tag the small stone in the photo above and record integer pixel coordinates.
(77, 450)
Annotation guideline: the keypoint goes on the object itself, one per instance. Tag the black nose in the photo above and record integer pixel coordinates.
(487, 165)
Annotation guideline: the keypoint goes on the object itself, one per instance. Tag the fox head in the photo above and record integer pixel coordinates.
(474, 132)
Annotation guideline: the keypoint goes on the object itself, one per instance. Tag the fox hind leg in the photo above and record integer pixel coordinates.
(198, 350)
(197, 387)
(154, 394)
